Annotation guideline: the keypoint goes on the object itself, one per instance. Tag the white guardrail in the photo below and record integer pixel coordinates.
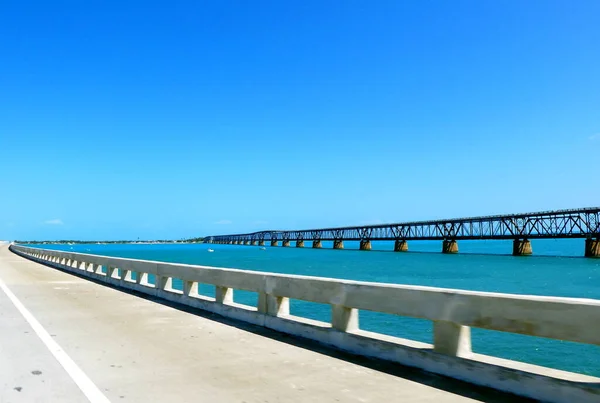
(453, 312)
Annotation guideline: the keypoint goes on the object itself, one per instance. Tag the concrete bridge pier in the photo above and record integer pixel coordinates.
(261, 243)
(400, 246)
(522, 247)
(450, 246)
(300, 243)
(253, 243)
(592, 247)
(274, 242)
(285, 243)
(338, 244)
(317, 244)
(365, 244)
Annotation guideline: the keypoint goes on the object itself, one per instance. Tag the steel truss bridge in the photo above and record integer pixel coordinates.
(575, 223)
(578, 223)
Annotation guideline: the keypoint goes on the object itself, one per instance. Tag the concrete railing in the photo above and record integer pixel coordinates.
(453, 312)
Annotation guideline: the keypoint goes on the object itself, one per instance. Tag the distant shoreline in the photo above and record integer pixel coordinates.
(73, 242)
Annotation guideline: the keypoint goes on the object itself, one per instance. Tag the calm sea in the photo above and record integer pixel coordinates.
(556, 269)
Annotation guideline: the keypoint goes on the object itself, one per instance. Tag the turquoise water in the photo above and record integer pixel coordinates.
(556, 269)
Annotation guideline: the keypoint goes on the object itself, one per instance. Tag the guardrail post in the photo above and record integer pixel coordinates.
(451, 338)
(160, 282)
(190, 288)
(273, 305)
(223, 295)
(343, 318)
(110, 271)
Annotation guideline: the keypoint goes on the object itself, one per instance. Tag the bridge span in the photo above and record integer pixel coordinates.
(150, 336)
(521, 228)
(69, 335)
(130, 347)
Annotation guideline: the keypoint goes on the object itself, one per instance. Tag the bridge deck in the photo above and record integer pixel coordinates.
(135, 349)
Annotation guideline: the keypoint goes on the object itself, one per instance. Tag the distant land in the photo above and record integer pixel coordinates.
(73, 241)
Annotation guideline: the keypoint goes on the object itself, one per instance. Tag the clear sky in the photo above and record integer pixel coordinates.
(172, 119)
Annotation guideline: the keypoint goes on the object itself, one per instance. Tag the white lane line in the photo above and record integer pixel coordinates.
(84, 383)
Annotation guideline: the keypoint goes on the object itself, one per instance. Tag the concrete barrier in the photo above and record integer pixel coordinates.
(453, 312)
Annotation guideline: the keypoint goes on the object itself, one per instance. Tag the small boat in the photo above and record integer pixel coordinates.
(263, 248)
(211, 250)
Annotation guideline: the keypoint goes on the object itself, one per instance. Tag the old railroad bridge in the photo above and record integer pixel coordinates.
(575, 223)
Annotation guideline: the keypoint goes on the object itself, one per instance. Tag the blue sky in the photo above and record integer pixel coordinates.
(186, 118)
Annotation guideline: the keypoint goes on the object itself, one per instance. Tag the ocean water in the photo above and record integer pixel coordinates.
(556, 269)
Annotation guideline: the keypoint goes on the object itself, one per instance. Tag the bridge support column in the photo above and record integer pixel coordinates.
(261, 243)
(400, 246)
(338, 244)
(285, 243)
(592, 247)
(450, 246)
(317, 244)
(521, 247)
(300, 243)
(253, 243)
(343, 318)
(274, 243)
(451, 339)
(365, 244)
